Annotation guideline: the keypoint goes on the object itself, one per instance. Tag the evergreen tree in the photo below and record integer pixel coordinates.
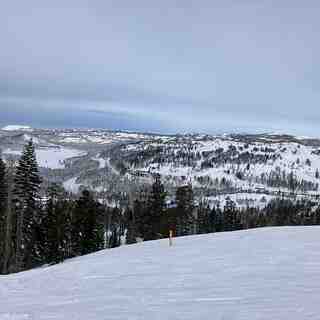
(185, 207)
(3, 187)
(217, 219)
(37, 246)
(57, 224)
(204, 222)
(3, 207)
(141, 214)
(7, 219)
(156, 208)
(130, 226)
(229, 213)
(292, 182)
(87, 225)
(117, 227)
(114, 239)
(26, 196)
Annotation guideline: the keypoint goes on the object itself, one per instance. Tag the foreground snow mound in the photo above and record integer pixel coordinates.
(270, 273)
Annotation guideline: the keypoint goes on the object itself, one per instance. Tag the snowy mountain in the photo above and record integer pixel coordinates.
(251, 169)
(268, 273)
(234, 164)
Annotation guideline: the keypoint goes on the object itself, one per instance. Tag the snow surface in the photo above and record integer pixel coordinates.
(52, 157)
(16, 127)
(102, 162)
(112, 168)
(268, 273)
(104, 137)
(71, 185)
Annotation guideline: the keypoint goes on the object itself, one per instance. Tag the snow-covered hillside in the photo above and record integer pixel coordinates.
(269, 273)
(53, 158)
(249, 168)
(16, 128)
(244, 164)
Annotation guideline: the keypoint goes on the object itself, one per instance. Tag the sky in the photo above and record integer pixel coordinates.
(164, 66)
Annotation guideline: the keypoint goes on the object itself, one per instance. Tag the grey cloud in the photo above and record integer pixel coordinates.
(184, 65)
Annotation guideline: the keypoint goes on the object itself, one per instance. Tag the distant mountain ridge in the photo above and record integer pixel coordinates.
(16, 128)
(216, 165)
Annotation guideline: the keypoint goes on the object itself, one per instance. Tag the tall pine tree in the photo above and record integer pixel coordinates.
(141, 214)
(87, 225)
(156, 208)
(3, 207)
(185, 207)
(204, 218)
(56, 225)
(8, 222)
(26, 197)
(130, 225)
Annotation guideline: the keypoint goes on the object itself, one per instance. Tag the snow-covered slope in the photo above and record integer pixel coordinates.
(53, 158)
(248, 167)
(240, 163)
(16, 128)
(270, 273)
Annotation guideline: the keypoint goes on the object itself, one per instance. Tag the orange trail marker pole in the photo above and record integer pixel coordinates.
(170, 237)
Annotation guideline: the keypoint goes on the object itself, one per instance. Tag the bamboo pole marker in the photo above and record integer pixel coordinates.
(170, 238)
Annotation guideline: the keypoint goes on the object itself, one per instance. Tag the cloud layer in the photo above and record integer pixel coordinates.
(164, 66)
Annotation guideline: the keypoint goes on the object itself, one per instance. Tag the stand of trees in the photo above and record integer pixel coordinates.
(36, 230)
(39, 228)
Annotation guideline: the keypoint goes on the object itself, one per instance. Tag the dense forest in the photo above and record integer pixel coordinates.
(43, 224)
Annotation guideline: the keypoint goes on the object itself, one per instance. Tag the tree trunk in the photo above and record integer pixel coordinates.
(8, 226)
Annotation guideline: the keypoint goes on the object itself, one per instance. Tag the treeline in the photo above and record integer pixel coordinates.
(48, 226)
(185, 218)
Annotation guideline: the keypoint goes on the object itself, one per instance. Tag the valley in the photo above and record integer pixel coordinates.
(249, 169)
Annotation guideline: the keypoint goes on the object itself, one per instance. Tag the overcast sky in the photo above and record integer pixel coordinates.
(166, 66)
